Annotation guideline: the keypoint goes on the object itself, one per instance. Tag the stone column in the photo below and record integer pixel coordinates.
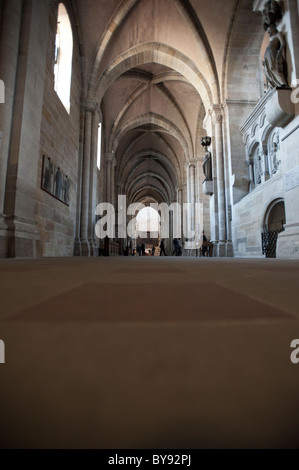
(180, 201)
(10, 37)
(171, 218)
(93, 185)
(21, 141)
(191, 173)
(217, 125)
(192, 196)
(186, 211)
(109, 162)
(90, 108)
(199, 204)
(77, 245)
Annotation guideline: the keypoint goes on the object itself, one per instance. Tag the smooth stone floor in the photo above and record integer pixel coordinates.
(149, 353)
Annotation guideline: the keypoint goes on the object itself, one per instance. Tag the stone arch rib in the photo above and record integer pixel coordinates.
(154, 52)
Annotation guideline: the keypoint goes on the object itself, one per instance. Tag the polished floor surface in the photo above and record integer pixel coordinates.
(124, 353)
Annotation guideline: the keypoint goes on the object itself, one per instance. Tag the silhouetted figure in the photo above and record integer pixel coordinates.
(143, 249)
(176, 245)
(179, 248)
(204, 248)
(162, 248)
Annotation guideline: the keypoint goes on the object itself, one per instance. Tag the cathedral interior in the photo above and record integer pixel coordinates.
(188, 111)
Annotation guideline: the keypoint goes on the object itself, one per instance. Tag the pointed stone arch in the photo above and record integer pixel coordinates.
(154, 52)
(242, 54)
(141, 156)
(160, 121)
(124, 8)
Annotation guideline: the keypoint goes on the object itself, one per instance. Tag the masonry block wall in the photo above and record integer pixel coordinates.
(59, 141)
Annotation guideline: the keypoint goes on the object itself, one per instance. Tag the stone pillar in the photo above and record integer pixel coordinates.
(112, 183)
(191, 223)
(186, 211)
(171, 231)
(93, 185)
(90, 108)
(10, 37)
(109, 162)
(27, 49)
(217, 125)
(180, 202)
(77, 247)
(193, 199)
(199, 202)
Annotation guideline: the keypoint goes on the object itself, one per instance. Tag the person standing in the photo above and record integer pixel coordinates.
(162, 248)
(204, 245)
(176, 246)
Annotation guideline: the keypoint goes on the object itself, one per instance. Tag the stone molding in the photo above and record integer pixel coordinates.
(280, 109)
(257, 113)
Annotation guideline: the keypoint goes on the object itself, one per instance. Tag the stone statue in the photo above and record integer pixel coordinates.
(207, 166)
(258, 170)
(274, 60)
(271, 14)
(273, 156)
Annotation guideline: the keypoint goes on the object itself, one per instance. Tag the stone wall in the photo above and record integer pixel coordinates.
(271, 136)
(272, 178)
(59, 141)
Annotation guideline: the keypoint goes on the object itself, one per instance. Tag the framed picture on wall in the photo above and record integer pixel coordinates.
(55, 182)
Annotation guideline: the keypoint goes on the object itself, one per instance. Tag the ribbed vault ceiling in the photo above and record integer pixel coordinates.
(155, 67)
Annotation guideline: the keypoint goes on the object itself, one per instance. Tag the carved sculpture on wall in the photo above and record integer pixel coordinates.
(258, 168)
(55, 182)
(275, 56)
(272, 13)
(207, 165)
(274, 149)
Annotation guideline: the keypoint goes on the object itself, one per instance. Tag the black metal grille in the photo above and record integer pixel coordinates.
(269, 242)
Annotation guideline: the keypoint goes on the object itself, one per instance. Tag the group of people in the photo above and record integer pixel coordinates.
(141, 250)
(177, 248)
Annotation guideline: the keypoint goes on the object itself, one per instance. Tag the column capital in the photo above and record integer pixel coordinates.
(190, 164)
(216, 114)
(110, 158)
(89, 105)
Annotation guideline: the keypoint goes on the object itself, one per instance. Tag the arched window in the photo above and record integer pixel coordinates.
(63, 57)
